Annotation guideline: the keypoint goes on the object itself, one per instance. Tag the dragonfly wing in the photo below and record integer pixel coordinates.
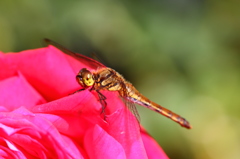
(132, 107)
(93, 64)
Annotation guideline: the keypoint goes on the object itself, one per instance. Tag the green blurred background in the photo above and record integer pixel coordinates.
(182, 54)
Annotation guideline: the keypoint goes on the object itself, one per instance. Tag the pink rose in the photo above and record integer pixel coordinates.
(39, 119)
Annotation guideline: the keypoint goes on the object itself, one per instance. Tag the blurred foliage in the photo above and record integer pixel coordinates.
(182, 54)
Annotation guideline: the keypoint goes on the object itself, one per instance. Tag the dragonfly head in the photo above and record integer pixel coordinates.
(85, 78)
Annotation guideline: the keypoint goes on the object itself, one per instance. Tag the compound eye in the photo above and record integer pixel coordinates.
(85, 78)
(80, 80)
(88, 79)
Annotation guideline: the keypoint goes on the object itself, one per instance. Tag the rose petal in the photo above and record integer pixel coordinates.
(99, 144)
(125, 129)
(36, 136)
(8, 150)
(16, 91)
(46, 69)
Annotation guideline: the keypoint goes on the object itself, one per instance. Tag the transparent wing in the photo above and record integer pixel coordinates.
(93, 64)
(132, 107)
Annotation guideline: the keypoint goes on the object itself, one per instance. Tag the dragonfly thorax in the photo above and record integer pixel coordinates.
(85, 78)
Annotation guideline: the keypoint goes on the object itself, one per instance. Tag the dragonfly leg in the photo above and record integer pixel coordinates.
(92, 89)
(103, 102)
(78, 91)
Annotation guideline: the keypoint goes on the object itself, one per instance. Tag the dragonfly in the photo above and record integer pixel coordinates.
(105, 78)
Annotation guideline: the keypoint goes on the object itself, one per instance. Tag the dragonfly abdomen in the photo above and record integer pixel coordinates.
(136, 97)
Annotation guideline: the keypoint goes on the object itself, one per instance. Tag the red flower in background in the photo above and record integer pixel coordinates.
(39, 119)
